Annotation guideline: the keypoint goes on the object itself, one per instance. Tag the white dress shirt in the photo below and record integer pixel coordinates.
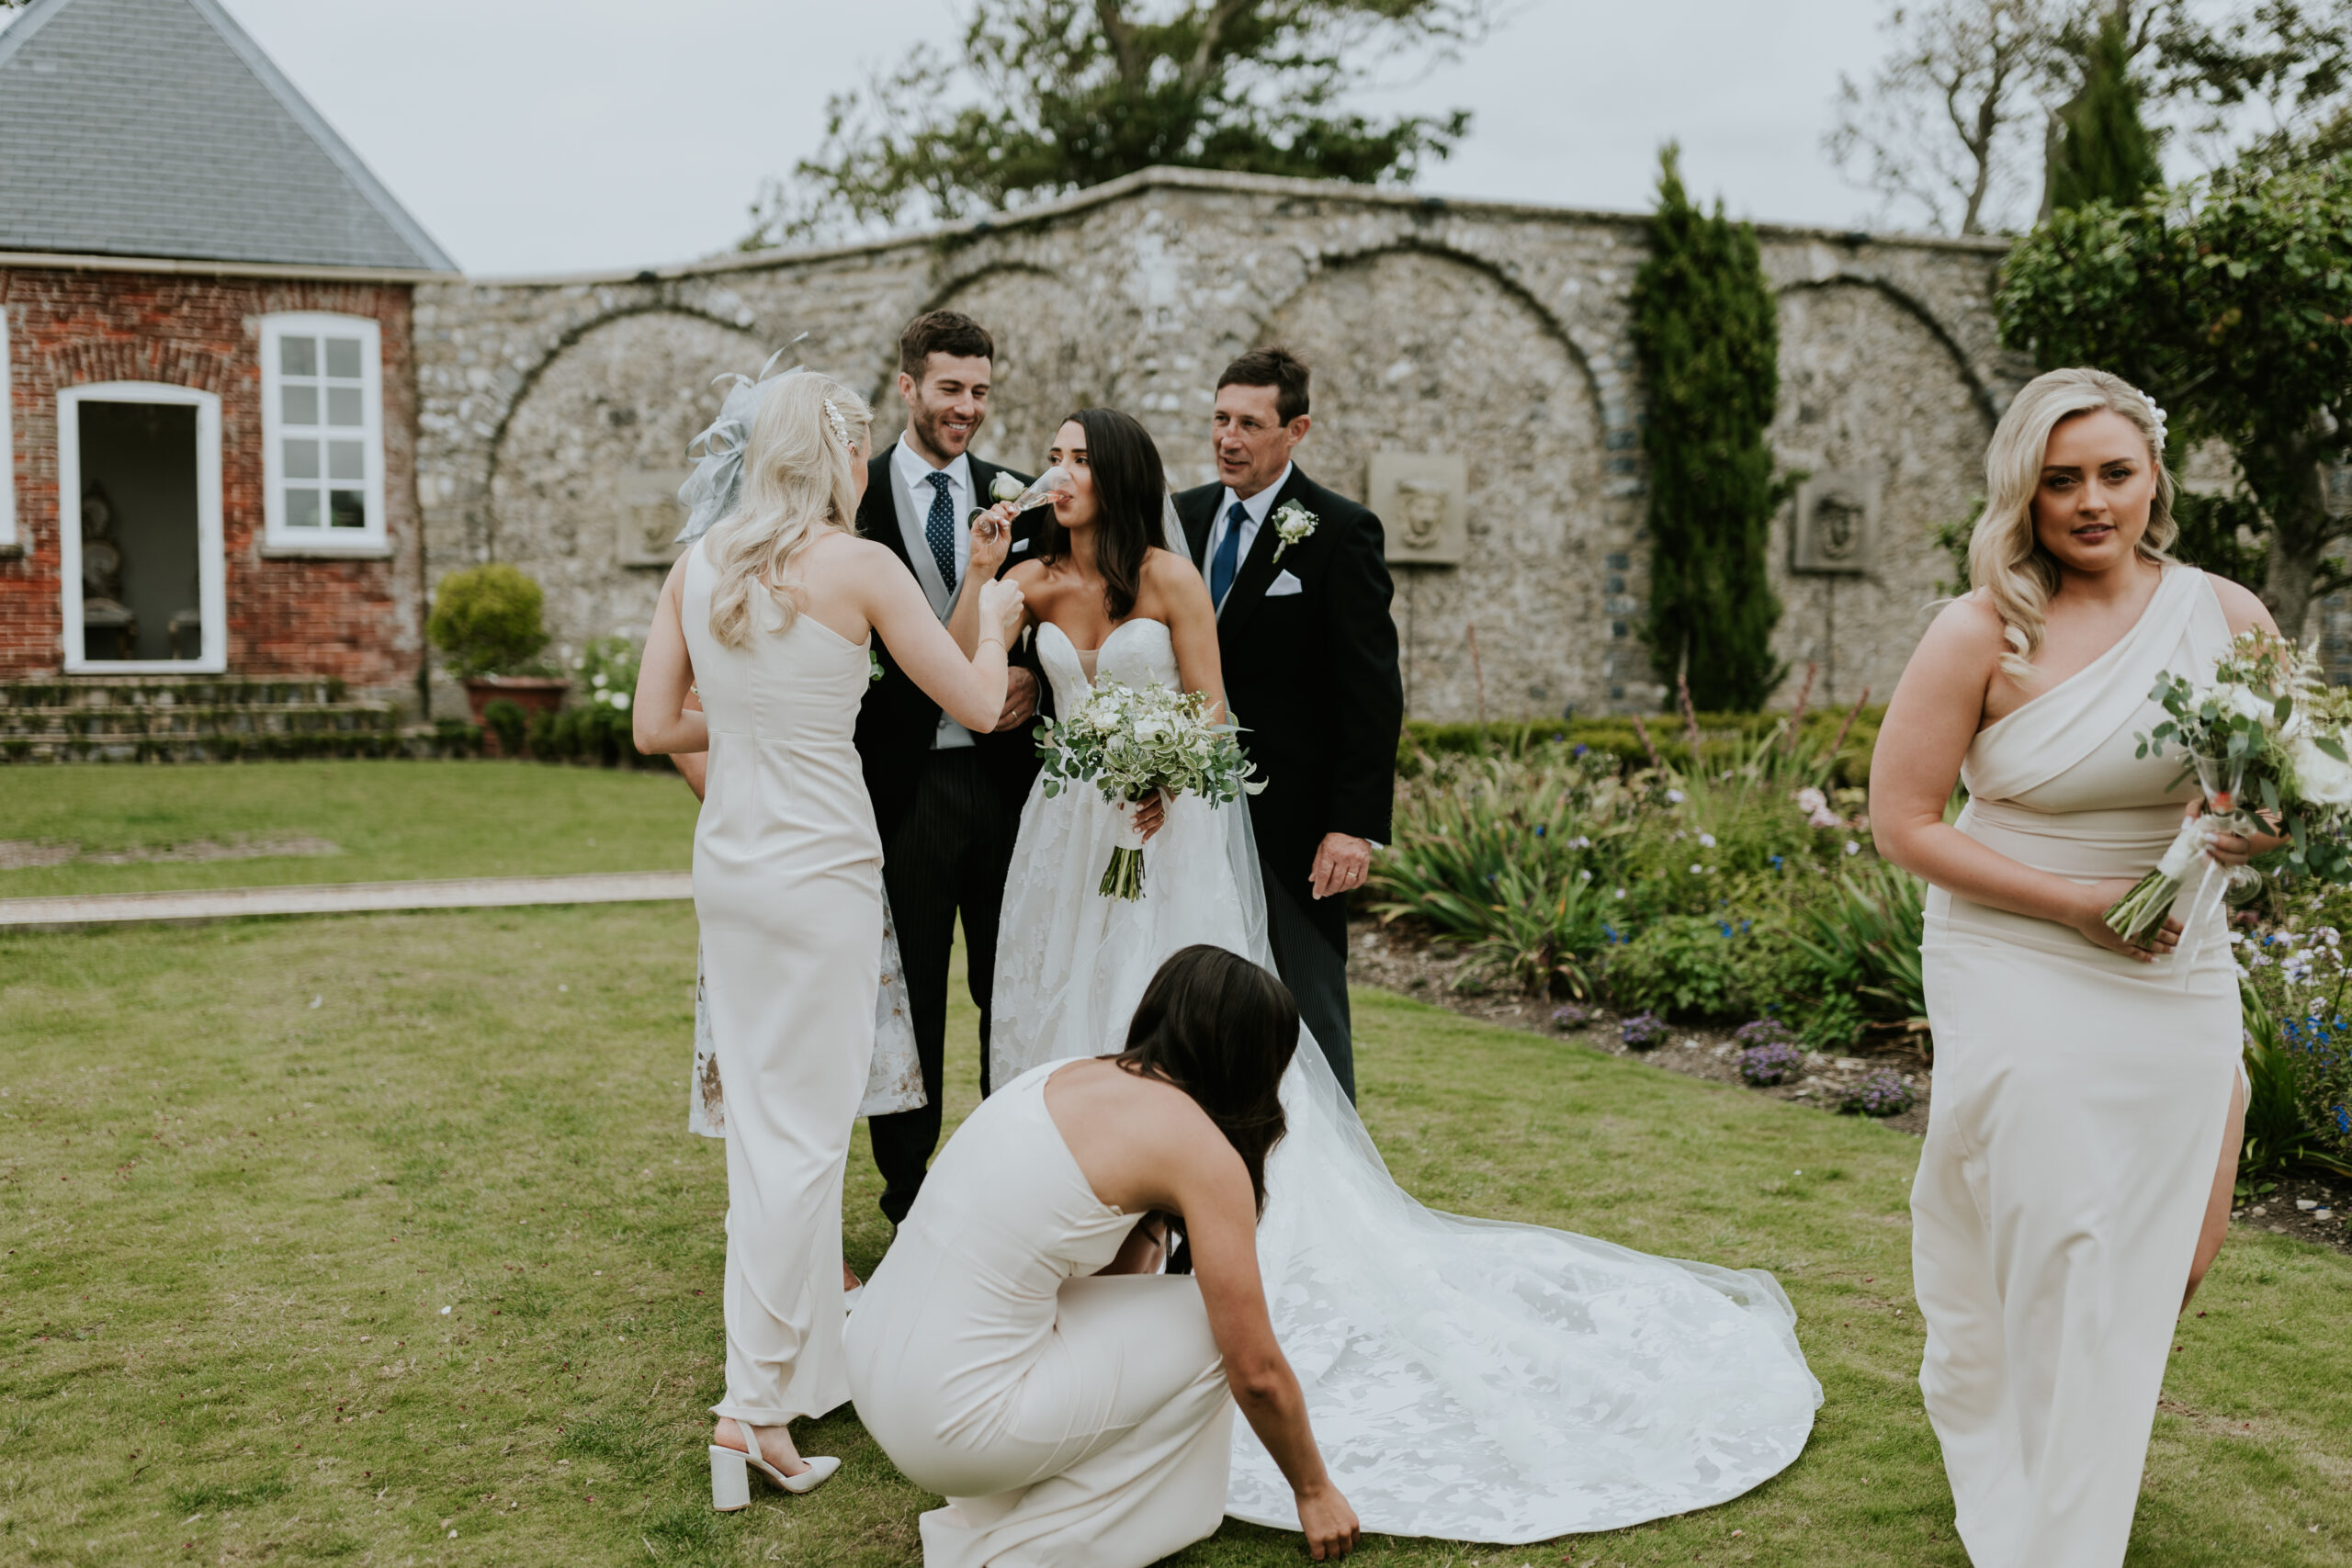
(914, 474)
(1255, 510)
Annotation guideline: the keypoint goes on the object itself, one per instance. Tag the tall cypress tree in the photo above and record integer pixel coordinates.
(2104, 151)
(1706, 330)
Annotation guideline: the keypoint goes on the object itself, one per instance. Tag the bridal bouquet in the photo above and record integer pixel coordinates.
(1134, 744)
(2266, 730)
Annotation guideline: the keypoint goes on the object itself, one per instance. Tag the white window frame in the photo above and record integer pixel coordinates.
(279, 538)
(212, 598)
(9, 544)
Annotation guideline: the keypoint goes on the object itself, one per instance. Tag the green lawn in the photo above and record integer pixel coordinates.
(382, 1240)
(389, 821)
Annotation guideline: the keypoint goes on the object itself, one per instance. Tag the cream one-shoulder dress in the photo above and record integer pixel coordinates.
(2080, 1100)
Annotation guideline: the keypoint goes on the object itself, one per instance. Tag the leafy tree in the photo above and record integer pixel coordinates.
(1975, 97)
(2103, 150)
(1045, 97)
(2231, 303)
(1706, 330)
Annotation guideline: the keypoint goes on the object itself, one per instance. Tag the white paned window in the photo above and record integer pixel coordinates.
(7, 445)
(322, 427)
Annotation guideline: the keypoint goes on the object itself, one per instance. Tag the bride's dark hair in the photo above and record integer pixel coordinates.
(1130, 487)
(1221, 1029)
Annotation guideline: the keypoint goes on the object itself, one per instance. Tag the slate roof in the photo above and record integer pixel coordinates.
(157, 128)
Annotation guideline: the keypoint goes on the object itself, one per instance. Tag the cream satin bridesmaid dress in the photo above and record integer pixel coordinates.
(1071, 1420)
(2080, 1101)
(787, 876)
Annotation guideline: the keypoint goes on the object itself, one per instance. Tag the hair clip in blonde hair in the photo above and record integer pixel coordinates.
(2155, 413)
(841, 426)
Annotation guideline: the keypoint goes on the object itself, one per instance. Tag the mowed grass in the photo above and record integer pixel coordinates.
(381, 1241)
(389, 821)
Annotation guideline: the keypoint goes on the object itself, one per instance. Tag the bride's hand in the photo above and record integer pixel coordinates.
(1330, 1524)
(2089, 917)
(1151, 817)
(1000, 609)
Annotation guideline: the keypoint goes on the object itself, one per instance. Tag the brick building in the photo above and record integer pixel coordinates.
(208, 402)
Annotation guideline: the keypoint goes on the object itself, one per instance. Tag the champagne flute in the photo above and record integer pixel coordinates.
(1052, 485)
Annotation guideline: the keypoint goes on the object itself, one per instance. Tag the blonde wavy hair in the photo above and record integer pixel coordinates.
(2004, 559)
(799, 478)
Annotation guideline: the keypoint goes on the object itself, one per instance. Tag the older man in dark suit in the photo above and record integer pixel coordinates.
(1299, 576)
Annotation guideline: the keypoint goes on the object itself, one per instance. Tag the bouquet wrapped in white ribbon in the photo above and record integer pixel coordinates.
(1132, 744)
(2266, 732)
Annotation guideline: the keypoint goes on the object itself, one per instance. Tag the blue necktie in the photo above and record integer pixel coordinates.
(1227, 558)
(939, 529)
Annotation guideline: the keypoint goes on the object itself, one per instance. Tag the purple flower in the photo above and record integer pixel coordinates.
(1570, 1015)
(1643, 1031)
(1774, 1061)
(1879, 1093)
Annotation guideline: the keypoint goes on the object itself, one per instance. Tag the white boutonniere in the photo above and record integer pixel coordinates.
(1004, 486)
(1292, 524)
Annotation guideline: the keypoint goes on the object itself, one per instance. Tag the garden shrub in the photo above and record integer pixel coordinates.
(504, 718)
(1862, 944)
(1773, 1062)
(541, 738)
(486, 620)
(1724, 739)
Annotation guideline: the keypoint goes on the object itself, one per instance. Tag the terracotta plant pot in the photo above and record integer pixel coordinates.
(534, 694)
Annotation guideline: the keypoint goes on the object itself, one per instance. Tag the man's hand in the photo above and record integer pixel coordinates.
(1020, 698)
(1340, 865)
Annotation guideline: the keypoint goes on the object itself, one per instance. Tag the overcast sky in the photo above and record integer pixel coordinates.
(534, 136)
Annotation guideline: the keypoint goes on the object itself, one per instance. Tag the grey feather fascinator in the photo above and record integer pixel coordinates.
(710, 491)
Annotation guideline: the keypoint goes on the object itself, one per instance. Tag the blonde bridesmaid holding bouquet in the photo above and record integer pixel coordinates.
(2083, 1141)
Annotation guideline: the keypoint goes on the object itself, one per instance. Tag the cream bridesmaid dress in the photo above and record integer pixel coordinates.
(1071, 1422)
(788, 888)
(2079, 1110)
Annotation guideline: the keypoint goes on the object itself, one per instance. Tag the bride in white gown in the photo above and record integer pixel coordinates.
(1465, 1379)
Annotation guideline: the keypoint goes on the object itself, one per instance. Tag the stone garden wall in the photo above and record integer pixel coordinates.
(555, 413)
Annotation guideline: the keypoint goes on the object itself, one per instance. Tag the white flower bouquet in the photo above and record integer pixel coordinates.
(2266, 731)
(1132, 744)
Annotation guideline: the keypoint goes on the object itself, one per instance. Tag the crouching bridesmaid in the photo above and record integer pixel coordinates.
(1019, 1349)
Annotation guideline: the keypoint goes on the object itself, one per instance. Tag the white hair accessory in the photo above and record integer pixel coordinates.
(2155, 413)
(841, 426)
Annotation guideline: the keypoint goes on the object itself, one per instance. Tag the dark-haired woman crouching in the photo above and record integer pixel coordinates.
(1018, 1349)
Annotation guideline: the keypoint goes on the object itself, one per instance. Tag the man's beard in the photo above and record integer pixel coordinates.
(926, 424)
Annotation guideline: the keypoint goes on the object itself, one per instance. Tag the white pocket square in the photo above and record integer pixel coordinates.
(1018, 546)
(1283, 586)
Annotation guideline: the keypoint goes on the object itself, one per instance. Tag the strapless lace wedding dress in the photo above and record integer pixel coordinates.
(1467, 1378)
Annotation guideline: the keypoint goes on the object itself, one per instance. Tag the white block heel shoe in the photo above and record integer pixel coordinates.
(731, 1476)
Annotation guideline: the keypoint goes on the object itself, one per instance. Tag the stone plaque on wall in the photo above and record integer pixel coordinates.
(647, 515)
(1836, 522)
(1421, 500)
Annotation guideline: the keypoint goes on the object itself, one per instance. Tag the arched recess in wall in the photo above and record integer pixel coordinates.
(1425, 351)
(585, 467)
(1876, 395)
(1055, 352)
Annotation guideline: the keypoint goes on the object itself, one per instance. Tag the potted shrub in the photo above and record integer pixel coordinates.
(487, 623)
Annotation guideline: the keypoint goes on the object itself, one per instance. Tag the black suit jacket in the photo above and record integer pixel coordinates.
(897, 721)
(1311, 677)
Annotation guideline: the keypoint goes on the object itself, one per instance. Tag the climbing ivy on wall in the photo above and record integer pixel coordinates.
(1706, 330)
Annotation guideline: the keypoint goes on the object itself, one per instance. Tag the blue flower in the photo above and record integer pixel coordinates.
(1776, 863)
(1539, 830)
(1580, 751)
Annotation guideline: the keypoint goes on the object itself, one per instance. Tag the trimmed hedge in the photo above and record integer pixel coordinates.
(1721, 736)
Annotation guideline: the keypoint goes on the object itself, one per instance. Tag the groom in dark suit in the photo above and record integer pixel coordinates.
(1299, 575)
(947, 801)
